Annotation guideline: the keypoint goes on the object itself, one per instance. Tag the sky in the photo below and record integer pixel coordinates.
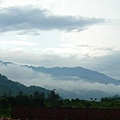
(65, 33)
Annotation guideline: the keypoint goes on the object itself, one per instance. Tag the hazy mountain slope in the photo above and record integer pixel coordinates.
(73, 74)
(79, 72)
(5, 63)
(84, 94)
(70, 83)
(14, 88)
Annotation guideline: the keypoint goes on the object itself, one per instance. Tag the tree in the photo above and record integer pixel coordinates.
(39, 99)
(53, 98)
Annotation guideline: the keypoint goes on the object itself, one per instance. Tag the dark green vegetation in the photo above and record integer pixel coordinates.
(16, 94)
(12, 88)
(53, 99)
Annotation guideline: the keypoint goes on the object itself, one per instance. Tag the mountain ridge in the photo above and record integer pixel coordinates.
(79, 72)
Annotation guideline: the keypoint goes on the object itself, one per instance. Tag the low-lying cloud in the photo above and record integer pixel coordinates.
(29, 18)
(29, 77)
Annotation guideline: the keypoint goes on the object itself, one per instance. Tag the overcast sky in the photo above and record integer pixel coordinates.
(61, 33)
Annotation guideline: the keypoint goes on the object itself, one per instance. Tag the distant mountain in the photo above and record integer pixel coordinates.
(76, 74)
(5, 63)
(10, 87)
(83, 94)
(64, 74)
(88, 94)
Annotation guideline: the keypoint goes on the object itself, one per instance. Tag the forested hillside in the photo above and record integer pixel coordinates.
(12, 88)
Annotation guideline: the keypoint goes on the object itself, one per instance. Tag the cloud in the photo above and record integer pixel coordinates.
(15, 42)
(107, 62)
(24, 75)
(76, 86)
(17, 73)
(29, 32)
(29, 18)
(29, 77)
(47, 60)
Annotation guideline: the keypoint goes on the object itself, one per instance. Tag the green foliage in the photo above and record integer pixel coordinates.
(38, 99)
(53, 100)
(111, 102)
